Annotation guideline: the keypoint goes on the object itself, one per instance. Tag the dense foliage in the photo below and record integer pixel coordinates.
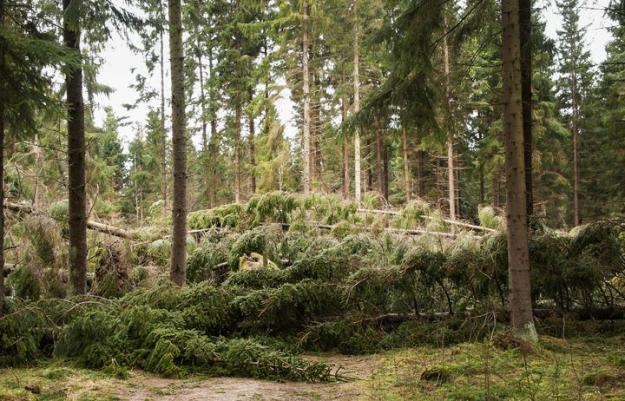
(259, 291)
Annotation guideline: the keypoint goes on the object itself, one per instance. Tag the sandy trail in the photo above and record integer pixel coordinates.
(143, 387)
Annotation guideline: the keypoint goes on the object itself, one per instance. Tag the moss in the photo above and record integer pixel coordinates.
(438, 374)
(602, 378)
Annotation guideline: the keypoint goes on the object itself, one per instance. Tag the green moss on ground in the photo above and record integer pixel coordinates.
(556, 369)
(579, 369)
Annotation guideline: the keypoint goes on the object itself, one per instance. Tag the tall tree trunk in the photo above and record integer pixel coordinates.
(357, 172)
(450, 134)
(205, 151)
(237, 151)
(252, 154)
(482, 185)
(481, 172)
(496, 189)
(369, 157)
(75, 157)
(306, 89)
(1, 183)
(37, 164)
(404, 145)
(313, 127)
(520, 299)
(525, 26)
(378, 160)
(163, 128)
(2, 83)
(212, 145)
(2, 291)
(317, 154)
(574, 95)
(421, 172)
(202, 99)
(385, 176)
(178, 271)
(344, 110)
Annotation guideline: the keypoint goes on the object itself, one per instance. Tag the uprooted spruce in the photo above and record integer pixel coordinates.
(267, 282)
(165, 330)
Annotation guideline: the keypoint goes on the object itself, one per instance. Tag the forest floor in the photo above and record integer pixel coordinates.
(580, 369)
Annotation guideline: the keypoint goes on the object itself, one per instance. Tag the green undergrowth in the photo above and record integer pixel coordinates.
(265, 284)
(494, 368)
(555, 369)
(165, 330)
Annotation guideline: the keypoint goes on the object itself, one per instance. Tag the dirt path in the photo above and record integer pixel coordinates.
(141, 387)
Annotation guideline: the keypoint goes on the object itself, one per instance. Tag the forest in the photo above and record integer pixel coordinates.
(312, 200)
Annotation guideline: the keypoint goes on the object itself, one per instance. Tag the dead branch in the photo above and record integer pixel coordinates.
(92, 225)
(452, 222)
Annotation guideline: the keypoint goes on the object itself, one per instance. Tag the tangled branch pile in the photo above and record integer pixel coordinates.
(265, 284)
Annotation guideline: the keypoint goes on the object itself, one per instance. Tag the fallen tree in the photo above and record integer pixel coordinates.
(448, 221)
(398, 231)
(92, 225)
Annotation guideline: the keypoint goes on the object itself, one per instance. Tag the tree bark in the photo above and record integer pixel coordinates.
(357, 172)
(75, 157)
(1, 176)
(163, 128)
(520, 299)
(202, 96)
(378, 160)
(497, 188)
(179, 210)
(237, 151)
(345, 150)
(407, 186)
(252, 154)
(421, 172)
(306, 90)
(385, 160)
(2, 83)
(206, 173)
(525, 24)
(369, 166)
(317, 153)
(575, 118)
(212, 146)
(481, 172)
(450, 135)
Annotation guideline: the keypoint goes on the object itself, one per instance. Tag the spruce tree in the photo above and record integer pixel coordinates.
(574, 65)
(520, 299)
(27, 48)
(179, 141)
(75, 151)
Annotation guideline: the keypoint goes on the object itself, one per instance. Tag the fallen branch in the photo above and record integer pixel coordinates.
(398, 231)
(448, 221)
(92, 225)
(10, 268)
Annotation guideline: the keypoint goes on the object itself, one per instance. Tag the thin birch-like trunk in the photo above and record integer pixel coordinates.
(306, 90)
(357, 172)
(450, 135)
(407, 187)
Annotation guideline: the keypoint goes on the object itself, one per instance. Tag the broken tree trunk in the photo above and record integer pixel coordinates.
(92, 225)
(452, 222)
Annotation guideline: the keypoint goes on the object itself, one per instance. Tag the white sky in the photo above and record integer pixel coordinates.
(116, 71)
